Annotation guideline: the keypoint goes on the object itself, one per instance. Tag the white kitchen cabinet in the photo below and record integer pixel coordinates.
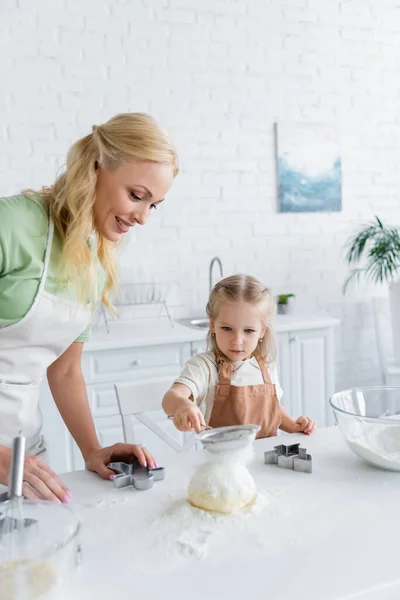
(283, 365)
(305, 364)
(306, 359)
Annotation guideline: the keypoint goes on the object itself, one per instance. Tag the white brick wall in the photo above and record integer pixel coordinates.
(217, 74)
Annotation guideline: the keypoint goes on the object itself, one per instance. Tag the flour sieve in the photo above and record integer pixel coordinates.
(227, 439)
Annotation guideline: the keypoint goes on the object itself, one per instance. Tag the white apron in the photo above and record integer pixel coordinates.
(27, 348)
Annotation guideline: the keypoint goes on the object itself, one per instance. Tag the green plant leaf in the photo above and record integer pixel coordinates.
(354, 274)
(380, 246)
(283, 298)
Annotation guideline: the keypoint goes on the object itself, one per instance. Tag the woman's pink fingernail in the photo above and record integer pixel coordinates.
(112, 476)
(57, 501)
(145, 464)
(67, 499)
(155, 465)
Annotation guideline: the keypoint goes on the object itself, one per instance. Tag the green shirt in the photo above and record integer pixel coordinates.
(23, 240)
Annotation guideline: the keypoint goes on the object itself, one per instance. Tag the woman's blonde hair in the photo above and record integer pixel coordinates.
(245, 288)
(125, 137)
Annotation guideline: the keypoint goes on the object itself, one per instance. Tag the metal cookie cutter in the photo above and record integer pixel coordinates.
(289, 457)
(133, 474)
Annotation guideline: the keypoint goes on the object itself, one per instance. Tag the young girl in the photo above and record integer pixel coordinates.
(236, 381)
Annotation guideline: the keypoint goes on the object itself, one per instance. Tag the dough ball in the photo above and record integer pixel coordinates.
(224, 488)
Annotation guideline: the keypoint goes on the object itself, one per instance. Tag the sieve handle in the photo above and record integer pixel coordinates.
(17, 467)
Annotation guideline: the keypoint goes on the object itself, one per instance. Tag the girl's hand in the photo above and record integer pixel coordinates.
(40, 482)
(189, 417)
(98, 459)
(305, 425)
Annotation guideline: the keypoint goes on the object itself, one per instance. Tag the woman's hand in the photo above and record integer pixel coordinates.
(188, 416)
(98, 459)
(39, 480)
(305, 425)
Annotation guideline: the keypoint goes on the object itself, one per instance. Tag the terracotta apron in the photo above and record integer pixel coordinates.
(27, 348)
(244, 405)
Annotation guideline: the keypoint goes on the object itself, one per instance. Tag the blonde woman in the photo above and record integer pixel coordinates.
(236, 382)
(57, 260)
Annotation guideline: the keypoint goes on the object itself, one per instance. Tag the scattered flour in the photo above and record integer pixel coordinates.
(379, 445)
(170, 531)
(160, 532)
(106, 502)
(223, 497)
(184, 531)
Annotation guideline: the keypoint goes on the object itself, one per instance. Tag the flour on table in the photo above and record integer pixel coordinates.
(183, 531)
(171, 531)
(222, 499)
(106, 502)
(380, 445)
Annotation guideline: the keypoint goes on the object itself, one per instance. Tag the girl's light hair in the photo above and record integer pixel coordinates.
(125, 137)
(245, 288)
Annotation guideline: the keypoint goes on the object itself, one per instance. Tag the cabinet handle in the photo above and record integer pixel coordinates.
(136, 363)
(292, 339)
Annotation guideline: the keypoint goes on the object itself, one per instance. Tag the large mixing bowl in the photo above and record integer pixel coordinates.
(369, 420)
(36, 559)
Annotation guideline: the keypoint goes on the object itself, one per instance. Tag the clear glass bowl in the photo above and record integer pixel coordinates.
(36, 559)
(369, 420)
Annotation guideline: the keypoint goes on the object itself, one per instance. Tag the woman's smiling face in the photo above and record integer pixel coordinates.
(126, 196)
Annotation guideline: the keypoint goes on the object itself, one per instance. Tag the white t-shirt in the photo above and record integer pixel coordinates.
(200, 375)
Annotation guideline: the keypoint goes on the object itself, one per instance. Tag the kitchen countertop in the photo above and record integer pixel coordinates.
(129, 334)
(329, 535)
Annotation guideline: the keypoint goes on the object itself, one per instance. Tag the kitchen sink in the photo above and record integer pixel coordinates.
(195, 322)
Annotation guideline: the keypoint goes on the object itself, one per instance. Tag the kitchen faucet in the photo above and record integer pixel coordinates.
(210, 273)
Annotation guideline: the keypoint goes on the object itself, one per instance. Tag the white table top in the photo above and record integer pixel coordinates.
(329, 535)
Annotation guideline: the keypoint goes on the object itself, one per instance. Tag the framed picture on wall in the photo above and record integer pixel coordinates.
(309, 168)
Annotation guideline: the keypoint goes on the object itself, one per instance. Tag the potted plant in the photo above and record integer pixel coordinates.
(283, 303)
(379, 247)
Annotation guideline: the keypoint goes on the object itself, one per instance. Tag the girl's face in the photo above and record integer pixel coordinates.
(126, 196)
(237, 328)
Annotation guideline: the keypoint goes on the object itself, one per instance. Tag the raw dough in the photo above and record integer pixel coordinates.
(224, 487)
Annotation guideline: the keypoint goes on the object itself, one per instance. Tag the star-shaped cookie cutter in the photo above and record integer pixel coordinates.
(289, 457)
(133, 474)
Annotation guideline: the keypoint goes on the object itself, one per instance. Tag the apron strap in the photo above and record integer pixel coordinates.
(47, 255)
(263, 369)
(224, 372)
